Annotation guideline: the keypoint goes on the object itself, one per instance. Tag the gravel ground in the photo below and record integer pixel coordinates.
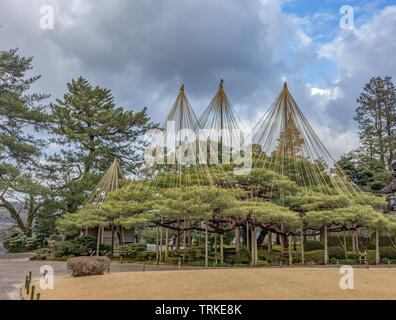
(15, 266)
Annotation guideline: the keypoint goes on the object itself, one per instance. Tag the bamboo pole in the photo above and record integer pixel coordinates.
(206, 248)
(166, 244)
(290, 250)
(326, 257)
(269, 242)
(377, 256)
(221, 248)
(302, 246)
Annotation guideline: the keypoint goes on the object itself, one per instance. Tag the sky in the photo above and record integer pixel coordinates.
(143, 50)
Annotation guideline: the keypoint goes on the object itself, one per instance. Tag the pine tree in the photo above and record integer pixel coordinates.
(21, 112)
(376, 116)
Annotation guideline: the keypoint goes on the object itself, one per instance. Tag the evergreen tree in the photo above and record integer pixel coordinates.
(92, 131)
(21, 112)
(376, 116)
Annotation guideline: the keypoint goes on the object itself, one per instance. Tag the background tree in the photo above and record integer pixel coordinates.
(21, 113)
(376, 117)
(92, 131)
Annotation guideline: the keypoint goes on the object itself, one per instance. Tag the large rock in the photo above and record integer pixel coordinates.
(88, 266)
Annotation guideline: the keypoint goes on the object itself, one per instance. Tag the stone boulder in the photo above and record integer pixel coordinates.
(88, 266)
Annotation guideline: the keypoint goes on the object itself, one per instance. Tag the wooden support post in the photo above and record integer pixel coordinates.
(32, 293)
(269, 241)
(38, 296)
(253, 247)
(184, 234)
(357, 242)
(377, 256)
(189, 235)
(166, 244)
(206, 248)
(290, 250)
(215, 247)
(247, 234)
(353, 241)
(237, 239)
(98, 242)
(326, 255)
(221, 248)
(144, 266)
(112, 239)
(302, 246)
(161, 239)
(157, 246)
(345, 246)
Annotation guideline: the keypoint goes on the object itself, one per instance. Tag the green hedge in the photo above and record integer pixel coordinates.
(316, 256)
(336, 252)
(387, 252)
(313, 245)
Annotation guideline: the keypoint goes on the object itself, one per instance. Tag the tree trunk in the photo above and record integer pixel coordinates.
(166, 244)
(290, 250)
(221, 248)
(377, 256)
(326, 257)
(161, 239)
(261, 237)
(206, 248)
(357, 242)
(345, 245)
(302, 246)
(237, 239)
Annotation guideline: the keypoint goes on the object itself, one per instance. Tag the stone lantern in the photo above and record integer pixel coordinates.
(389, 191)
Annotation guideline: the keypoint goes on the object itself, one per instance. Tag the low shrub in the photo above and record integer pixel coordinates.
(336, 252)
(18, 242)
(333, 260)
(242, 256)
(347, 261)
(145, 255)
(370, 256)
(316, 256)
(83, 246)
(387, 252)
(313, 245)
(384, 260)
(351, 255)
(131, 250)
(262, 263)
